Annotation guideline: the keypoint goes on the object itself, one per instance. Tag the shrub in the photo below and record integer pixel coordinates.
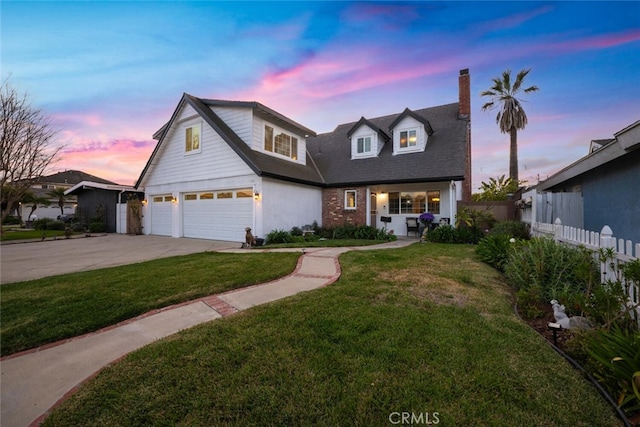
(11, 220)
(470, 235)
(529, 302)
(516, 229)
(442, 234)
(278, 236)
(617, 364)
(48, 224)
(296, 231)
(551, 266)
(494, 250)
(97, 227)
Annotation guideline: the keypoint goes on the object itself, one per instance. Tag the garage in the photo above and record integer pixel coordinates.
(217, 215)
(161, 215)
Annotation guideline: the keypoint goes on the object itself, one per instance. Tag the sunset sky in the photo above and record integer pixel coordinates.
(111, 73)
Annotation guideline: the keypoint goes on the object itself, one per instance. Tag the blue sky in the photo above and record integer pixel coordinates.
(111, 73)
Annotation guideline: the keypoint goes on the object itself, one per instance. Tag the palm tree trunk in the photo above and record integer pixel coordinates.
(513, 155)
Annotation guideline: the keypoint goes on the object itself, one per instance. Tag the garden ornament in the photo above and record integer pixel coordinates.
(566, 322)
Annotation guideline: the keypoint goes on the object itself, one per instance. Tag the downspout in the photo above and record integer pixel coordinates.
(453, 205)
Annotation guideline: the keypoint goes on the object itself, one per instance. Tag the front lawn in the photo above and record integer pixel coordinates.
(23, 234)
(41, 311)
(419, 330)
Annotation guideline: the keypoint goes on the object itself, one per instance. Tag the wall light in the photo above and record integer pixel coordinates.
(174, 200)
(144, 202)
(256, 195)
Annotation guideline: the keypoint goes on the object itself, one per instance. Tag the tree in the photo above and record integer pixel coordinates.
(26, 145)
(58, 194)
(30, 199)
(496, 189)
(511, 116)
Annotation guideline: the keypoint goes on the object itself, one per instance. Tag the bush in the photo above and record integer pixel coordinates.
(529, 302)
(278, 236)
(97, 227)
(442, 234)
(516, 229)
(470, 235)
(494, 250)
(296, 231)
(48, 224)
(617, 364)
(552, 266)
(11, 220)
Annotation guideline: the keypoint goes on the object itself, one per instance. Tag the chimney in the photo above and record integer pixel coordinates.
(464, 94)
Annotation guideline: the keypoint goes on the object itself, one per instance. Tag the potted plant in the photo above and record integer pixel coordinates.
(426, 219)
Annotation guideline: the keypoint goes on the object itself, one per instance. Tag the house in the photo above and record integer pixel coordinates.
(104, 202)
(42, 187)
(599, 189)
(220, 166)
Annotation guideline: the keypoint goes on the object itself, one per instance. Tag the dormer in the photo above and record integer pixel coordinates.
(410, 132)
(366, 139)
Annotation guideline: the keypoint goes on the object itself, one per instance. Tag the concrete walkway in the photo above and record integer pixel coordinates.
(36, 380)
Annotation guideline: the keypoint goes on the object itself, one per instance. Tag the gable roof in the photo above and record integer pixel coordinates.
(408, 113)
(98, 185)
(373, 127)
(443, 159)
(262, 164)
(626, 141)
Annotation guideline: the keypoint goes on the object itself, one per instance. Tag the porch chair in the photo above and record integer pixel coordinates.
(413, 225)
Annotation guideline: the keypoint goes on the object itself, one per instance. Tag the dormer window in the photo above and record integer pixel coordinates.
(363, 145)
(408, 138)
(279, 142)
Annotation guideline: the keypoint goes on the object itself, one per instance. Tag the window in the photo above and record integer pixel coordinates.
(168, 198)
(157, 199)
(247, 192)
(408, 138)
(433, 202)
(279, 142)
(350, 199)
(363, 145)
(191, 197)
(206, 196)
(225, 195)
(407, 202)
(192, 139)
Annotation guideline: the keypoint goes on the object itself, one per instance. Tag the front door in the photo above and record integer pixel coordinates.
(373, 212)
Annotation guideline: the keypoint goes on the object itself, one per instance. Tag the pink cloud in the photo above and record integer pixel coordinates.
(90, 119)
(598, 42)
(513, 21)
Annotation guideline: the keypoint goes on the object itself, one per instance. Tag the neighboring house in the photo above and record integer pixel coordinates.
(45, 184)
(599, 189)
(221, 166)
(98, 201)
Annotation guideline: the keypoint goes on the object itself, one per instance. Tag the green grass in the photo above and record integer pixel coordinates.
(425, 328)
(328, 243)
(41, 311)
(20, 234)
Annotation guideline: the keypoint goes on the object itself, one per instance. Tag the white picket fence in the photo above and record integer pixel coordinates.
(623, 251)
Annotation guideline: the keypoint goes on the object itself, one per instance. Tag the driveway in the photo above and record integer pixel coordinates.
(33, 260)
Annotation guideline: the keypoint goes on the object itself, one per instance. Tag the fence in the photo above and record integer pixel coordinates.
(623, 251)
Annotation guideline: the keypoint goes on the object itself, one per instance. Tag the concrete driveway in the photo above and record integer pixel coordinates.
(33, 260)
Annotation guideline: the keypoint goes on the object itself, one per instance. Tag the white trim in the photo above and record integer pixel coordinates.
(346, 200)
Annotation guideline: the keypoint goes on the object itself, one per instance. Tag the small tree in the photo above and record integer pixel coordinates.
(26, 146)
(496, 189)
(58, 194)
(30, 199)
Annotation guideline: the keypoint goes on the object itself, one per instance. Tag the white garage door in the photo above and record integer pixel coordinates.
(161, 215)
(218, 215)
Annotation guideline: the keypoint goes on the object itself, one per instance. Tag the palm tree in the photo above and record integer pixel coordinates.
(511, 116)
(58, 193)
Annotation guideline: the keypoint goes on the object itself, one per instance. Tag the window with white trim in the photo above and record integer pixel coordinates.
(192, 139)
(433, 202)
(350, 202)
(363, 145)
(279, 142)
(408, 138)
(407, 202)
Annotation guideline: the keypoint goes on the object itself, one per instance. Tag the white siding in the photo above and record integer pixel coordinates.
(406, 124)
(376, 143)
(239, 120)
(285, 205)
(215, 160)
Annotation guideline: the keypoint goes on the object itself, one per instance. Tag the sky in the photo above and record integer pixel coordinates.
(109, 74)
